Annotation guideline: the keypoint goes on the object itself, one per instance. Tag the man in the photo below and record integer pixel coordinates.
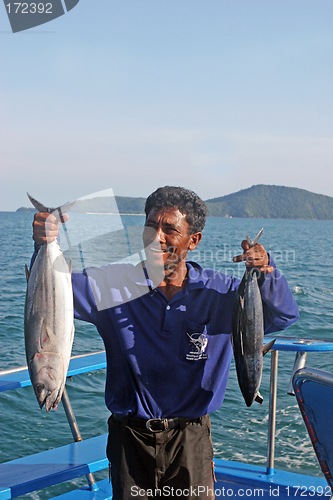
(166, 327)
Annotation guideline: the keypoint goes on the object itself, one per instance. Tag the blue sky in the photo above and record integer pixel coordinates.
(214, 95)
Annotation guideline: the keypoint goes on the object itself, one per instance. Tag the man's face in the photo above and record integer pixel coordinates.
(166, 238)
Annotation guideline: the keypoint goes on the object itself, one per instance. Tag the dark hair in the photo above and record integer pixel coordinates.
(187, 202)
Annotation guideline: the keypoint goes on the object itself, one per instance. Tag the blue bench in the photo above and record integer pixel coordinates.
(51, 467)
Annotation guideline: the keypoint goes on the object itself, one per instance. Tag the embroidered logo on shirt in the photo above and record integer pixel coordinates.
(198, 344)
(181, 308)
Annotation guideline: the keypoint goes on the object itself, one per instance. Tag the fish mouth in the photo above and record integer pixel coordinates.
(50, 399)
(249, 398)
(46, 372)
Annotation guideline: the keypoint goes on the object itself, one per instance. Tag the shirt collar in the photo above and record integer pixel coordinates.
(196, 276)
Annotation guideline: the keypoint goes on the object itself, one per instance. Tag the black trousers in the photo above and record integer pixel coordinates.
(175, 463)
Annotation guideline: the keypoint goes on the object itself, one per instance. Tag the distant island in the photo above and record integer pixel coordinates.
(272, 202)
(260, 201)
(25, 209)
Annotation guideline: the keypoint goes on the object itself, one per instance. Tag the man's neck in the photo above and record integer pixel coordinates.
(174, 282)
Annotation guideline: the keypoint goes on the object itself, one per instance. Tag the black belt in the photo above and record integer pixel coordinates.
(156, 424)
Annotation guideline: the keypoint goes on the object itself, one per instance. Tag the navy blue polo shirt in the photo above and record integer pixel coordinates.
(169, 358)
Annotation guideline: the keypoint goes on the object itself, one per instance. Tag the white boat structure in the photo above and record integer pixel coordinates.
(314, 392)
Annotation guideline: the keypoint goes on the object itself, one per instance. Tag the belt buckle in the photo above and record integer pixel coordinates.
(164, 422)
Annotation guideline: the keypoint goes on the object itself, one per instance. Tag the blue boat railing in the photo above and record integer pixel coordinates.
(301, 347)
(14, 378)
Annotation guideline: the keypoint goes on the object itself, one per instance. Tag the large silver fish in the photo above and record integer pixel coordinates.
(248, 334)
(49, 318)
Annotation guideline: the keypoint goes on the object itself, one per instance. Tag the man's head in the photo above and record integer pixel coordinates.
(187, 202)
(174, 220)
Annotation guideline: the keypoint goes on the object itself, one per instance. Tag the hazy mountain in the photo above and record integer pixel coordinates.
(272, 202)
(261, 201)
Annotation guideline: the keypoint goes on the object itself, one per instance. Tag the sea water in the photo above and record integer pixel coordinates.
(302, 250)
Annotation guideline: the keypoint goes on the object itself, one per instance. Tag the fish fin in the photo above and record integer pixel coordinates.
(259, 399)
(27, 274)
(42, 208)
(48, 334)
(268, 347)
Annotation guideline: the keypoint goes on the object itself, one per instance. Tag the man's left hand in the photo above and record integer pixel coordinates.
(255, 257)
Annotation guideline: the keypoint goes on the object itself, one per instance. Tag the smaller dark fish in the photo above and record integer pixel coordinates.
(248, 334)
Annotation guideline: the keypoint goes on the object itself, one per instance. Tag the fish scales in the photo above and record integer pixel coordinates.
(49, 322)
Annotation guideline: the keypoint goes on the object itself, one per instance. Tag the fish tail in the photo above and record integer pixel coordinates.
(42, 208)
(256, 239)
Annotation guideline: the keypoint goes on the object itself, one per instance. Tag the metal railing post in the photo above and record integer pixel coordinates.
(272, 413)
(76, 433)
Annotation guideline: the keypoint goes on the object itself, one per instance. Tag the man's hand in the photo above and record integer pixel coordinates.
(46, 227)
(255, 256)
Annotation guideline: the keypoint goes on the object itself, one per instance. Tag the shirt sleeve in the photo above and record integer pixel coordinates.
(84, 303)
(280, 307)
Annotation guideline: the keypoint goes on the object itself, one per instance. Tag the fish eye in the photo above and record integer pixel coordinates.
(39, 388)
